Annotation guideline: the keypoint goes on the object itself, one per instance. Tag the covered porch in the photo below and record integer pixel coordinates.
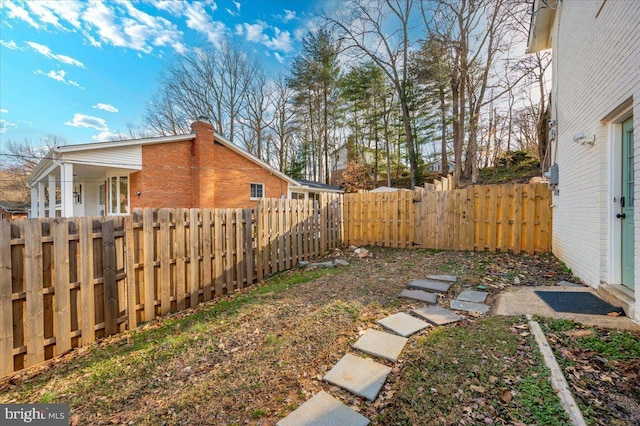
(71, 189)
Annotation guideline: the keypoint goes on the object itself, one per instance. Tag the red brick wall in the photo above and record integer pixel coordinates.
(165, 179)
(200, 174)
(224, 177)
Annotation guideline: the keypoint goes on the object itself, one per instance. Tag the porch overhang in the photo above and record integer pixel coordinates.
(541, 25)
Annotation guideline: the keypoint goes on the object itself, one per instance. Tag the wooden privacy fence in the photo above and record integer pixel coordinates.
(66, 282)
(494, 218)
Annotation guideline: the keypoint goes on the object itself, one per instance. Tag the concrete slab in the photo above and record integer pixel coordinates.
(381, 344)
(460, 305)
(523, 300)
(323, 410)
(359, 376)
(437, 315)
(569, 284)
(432, 286)
(403, 324)
(473, 296)
(448, 278)
(420, 295)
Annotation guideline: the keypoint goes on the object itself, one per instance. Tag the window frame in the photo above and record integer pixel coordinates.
(109, 195)
(260, 185)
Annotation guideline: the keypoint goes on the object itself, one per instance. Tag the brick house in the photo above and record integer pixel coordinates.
(197, 170)
(13, 209)
(595, 173)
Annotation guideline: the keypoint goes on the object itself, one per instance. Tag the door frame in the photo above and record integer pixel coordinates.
(614, 175)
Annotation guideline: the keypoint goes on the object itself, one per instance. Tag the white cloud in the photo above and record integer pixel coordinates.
(9, 44)
(256, 33)
(199, 20)
(234, 12)
(16, 12)
(289, 15)
(4, 110)
(46, 51)
(105, 136)
(82, 120)
(68, 10)
(281, 41)
(59, 76)
(105, 107)
(5, 125)
(278, 57)
(44, 14)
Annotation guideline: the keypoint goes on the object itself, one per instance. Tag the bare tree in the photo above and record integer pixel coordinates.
(364, 29)
(282, 123)
(210, 83)
(18, 161)
(256, 117)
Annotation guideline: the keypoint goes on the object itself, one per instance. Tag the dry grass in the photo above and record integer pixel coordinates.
(253, 358)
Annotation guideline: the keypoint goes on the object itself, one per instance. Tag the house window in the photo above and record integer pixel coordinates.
(257, 190)
(297, 195)
(118, 195)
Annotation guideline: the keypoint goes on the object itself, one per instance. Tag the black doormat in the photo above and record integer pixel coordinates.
(577, 302)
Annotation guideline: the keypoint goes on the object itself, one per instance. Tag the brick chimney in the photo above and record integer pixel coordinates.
(203, 163)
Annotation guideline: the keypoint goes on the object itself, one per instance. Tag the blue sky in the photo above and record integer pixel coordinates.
(85, 70)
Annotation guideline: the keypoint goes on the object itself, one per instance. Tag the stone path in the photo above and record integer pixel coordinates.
(365, 377)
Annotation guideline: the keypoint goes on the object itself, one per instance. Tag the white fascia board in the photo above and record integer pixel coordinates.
(305, 188)
(129, 142)
(43, 168)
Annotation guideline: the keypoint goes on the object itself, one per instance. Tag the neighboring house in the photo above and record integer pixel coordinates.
(310, 190)
(436, 166)
(197, 170)
(595, 107)
(13, 209)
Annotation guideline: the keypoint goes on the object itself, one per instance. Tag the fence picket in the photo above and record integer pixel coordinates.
(33, 285)
(130, 268)
(207, 272)
(164, 246)
(6, 304)
(194, 258)
(109, 278)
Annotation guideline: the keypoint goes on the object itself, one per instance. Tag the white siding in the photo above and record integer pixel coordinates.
(129, 157)
(596, 68)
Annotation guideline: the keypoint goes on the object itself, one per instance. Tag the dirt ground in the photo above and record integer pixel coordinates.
(253, 363)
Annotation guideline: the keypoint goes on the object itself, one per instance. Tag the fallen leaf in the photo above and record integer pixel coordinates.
(479, 389)
(614, 314)
(506, 395)
(578, 333)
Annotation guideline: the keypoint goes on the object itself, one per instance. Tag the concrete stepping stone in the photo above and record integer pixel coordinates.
(448, 278)
(437, 315)
(473, 296)
(361, 377)
(420, 295)
(381, 344)
(323, 410)
(430, 285)
(460, 305)
(403, 324)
